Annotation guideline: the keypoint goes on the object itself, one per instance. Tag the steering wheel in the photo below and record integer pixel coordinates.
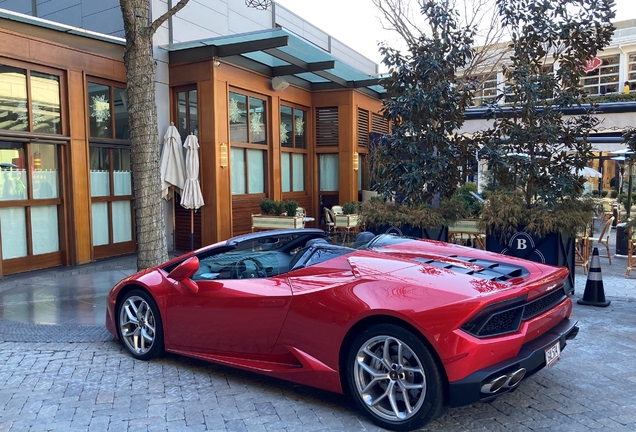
(241, 270)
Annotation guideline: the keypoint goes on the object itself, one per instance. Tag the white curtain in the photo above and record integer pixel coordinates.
(123, 183)
(238, 171)
(100, 183)
(45, 184)
(328, 166)
(99, 211)
(299, 172)
(13, 231)
(122, 222)
(256, 173)
(285, 170)
(44, 228)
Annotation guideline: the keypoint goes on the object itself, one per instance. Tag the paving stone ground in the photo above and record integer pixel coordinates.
(96, 386)
(78, 378)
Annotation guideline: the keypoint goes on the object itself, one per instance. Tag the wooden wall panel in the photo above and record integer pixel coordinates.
(242, 211)
(190, 74)
(31, 49)
(80, 205)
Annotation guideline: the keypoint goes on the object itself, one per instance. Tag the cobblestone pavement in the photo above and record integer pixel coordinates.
(96, 386)
(77, 377)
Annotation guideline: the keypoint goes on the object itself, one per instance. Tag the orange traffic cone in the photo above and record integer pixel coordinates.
(594, 294)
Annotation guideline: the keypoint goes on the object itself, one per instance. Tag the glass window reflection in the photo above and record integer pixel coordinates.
(120, 107)
(100, 171)
(238, 117)
(45, 96)
(45, 171)
(14, 111)
(99, 110)
(13, 178)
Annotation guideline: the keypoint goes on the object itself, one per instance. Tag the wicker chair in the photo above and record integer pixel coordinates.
(603, 238)
(330, 221)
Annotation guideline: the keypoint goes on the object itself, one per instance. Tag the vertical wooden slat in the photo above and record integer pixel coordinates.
(80, 205)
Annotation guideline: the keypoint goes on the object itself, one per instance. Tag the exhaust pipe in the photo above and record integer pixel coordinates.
(504, 381)
(495, 385)
(515, 378)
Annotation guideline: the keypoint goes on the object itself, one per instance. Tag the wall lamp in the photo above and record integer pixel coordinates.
(223, 155)
(355, 161)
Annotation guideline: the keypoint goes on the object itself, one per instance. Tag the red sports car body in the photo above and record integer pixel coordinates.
(405, 326)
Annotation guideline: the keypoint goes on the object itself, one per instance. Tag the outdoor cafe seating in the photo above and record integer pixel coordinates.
(466, 232)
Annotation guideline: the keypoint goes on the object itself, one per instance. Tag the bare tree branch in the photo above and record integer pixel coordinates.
(163, 18)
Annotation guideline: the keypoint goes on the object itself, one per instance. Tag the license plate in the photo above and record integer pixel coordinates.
(552, 355)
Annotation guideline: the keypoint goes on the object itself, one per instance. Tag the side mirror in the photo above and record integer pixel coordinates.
(184, 271)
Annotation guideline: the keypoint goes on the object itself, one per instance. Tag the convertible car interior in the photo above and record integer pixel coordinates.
(269, 256)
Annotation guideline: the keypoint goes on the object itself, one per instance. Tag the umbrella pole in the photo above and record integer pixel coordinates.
(191, 229)
(174, 220)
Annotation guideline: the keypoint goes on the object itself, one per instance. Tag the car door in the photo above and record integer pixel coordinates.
(242, 316)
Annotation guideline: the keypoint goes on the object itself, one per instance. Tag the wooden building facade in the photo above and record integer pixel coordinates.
(297, 128)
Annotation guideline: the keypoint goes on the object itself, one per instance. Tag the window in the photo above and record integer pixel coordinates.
(603, 79)
(111, 190)
(293, 125)
(187, 113)
(631, 67)
(108, 111)
(30, 197)
(486, 89)
(29, 101)
(328, 172)
(248, 137)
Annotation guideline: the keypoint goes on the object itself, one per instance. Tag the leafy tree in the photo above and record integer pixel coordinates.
(532, 146)
(424, 155)
(402, 17)
(532, 149)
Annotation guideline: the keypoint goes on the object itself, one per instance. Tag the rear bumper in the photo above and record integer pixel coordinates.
(531, 357)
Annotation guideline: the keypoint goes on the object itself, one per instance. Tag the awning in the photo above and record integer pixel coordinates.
(279, 53)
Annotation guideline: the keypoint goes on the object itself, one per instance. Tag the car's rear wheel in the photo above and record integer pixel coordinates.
(139, 325)
(393, 378)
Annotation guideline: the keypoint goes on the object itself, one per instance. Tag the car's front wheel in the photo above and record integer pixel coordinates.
(139, 325)
(392, 377)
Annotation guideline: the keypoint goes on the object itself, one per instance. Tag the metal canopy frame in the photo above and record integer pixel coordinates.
(279, 53)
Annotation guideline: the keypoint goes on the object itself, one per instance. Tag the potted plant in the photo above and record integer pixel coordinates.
(272, 217)
(382, 216)
(533, 151)
(350, 217)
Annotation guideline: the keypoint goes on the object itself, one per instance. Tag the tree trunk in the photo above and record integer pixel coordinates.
(144, 137)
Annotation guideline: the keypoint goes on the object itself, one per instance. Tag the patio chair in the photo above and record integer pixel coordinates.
(337, 210)
(330, 221)
(603, 238)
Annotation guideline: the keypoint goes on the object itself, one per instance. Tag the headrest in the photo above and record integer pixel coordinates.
(316, 241)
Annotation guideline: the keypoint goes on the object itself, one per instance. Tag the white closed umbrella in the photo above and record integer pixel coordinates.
(588, 172)
(191, 197)
(172, 164)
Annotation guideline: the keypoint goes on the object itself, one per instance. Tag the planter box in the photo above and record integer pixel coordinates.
(263, 222)
(439, 234)
(346, 221)
(556, 249)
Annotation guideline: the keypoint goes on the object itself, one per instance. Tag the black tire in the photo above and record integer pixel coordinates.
(139, 324)
(383, 399)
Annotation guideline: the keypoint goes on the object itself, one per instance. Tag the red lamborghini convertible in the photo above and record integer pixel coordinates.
(406, 327)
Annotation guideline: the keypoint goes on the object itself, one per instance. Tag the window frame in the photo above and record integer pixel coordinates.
(111, 86)
(246, 146)
(61, 76)
(294, 149)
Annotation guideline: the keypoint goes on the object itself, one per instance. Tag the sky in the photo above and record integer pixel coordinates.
(357, 23)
